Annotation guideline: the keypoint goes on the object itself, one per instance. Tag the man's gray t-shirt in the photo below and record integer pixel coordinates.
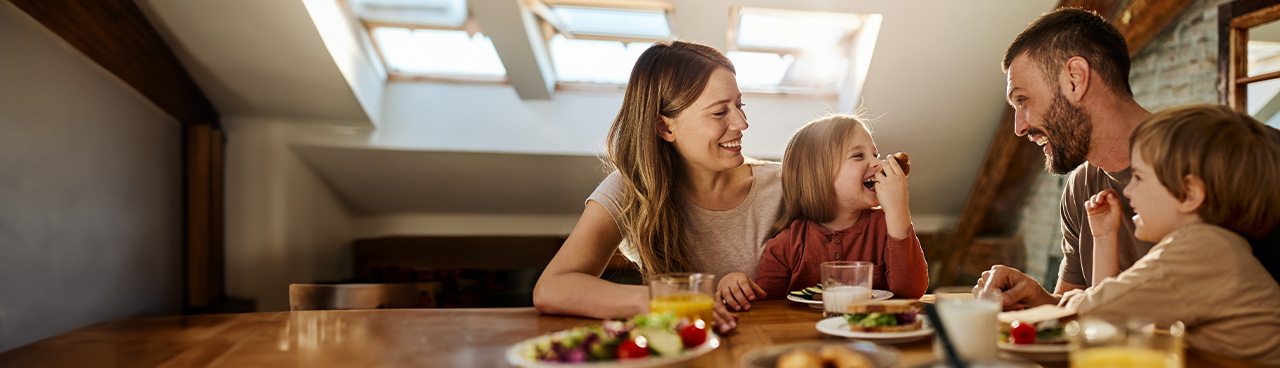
(723, 241)
(1077, 237)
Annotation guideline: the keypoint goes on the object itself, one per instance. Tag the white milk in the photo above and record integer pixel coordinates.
(971, 325)
(836, 299)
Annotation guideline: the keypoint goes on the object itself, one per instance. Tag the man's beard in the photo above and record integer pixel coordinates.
(1070, 130)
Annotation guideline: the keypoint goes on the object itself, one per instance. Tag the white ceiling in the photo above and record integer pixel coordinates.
(257, 58)
(934, 80)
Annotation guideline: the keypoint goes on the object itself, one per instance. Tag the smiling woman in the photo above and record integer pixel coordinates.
(683, 196)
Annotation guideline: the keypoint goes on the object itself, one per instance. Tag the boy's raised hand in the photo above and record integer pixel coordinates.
(1104, 213)
(1104, 220)
(738, 291)
(891, 191)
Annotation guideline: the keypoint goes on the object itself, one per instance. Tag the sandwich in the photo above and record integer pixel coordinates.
(1039, 325)
(884, 316)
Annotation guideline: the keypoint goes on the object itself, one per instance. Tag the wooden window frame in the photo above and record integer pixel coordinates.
(1234, 20)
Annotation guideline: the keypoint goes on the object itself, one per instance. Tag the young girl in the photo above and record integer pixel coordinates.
(832, 183)
(1204, 186)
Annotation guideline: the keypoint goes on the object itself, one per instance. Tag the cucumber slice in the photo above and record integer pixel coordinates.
(813, 290)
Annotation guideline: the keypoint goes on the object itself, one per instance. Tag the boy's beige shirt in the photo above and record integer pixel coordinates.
(1207, 277)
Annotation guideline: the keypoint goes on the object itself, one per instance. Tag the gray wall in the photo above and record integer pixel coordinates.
(90, 192)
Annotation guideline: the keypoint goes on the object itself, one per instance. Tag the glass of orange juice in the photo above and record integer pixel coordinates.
(686, 295)
(1125, 342)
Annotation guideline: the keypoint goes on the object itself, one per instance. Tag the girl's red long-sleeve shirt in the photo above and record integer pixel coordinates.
(792, 260)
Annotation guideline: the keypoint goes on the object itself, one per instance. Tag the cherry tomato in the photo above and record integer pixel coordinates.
(1022, 333)
(694, 334)
(633, 348)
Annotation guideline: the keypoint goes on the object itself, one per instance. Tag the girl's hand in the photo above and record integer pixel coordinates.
(725, 320)
(891, 187)
(1104, 213)
(736, 290)
(891, 191)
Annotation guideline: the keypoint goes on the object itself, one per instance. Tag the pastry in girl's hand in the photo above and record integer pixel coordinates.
(903, 160)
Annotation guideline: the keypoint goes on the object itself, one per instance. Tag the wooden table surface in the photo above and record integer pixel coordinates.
(392, 337)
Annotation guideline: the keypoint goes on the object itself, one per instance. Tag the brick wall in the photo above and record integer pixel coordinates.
(1178, 67)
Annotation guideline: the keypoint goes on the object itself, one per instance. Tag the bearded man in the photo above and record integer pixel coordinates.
(1068, 82)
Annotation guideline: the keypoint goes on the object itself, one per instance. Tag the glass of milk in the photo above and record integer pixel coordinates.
(844, 282)
(970, 318)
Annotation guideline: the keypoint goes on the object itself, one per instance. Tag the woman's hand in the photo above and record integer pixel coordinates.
(891, 191)
(1104, 213)
(736, 290)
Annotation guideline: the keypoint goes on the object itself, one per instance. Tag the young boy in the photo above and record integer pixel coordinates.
(1205, 186)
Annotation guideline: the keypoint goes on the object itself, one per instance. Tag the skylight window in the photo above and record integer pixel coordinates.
(594, 61)
(433, 51)
(630, 23)
(760, 69)
(438, 13)
(775, 29)
(778, 50)
(598, 42)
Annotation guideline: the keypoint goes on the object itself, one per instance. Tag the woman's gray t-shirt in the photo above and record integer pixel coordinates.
(723, 241)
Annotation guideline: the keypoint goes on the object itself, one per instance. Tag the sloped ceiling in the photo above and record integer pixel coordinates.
(257, 58)
(408, 181)
(934, 81)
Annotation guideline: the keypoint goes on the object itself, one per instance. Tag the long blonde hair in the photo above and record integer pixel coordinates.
(667, 79)
(809, 168)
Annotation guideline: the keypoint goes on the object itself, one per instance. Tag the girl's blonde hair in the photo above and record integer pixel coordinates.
(809, 168)
(667, 79)
(1237, 157)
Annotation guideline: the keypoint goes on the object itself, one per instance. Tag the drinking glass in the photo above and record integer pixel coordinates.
(1123, 342)
(844, 282)
(687, 295)
(969, 315)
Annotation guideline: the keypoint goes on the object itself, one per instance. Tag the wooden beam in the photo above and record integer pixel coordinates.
(1009, 167)
(116, 35)
(1143, 19)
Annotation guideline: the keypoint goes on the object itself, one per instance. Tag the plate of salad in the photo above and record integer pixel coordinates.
(813, 295)
(653, 340)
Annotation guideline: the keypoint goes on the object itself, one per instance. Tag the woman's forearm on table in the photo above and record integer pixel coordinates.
(589, 296)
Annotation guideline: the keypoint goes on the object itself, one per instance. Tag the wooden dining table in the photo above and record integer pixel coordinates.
(400, 338)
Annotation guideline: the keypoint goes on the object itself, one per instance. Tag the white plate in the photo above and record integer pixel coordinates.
(875, 295)
(516, 358)
(1037, 352)
(836, 326)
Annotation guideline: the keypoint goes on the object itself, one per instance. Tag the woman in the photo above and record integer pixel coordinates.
(683, 197)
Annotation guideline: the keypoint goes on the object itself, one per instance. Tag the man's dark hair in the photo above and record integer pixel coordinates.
(1066, 33)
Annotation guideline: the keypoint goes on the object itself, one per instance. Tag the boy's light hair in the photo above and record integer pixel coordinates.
(1236, 156)
(810, 165)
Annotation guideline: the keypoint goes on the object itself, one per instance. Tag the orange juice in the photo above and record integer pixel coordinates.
(1122, 357)
(691, 306)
